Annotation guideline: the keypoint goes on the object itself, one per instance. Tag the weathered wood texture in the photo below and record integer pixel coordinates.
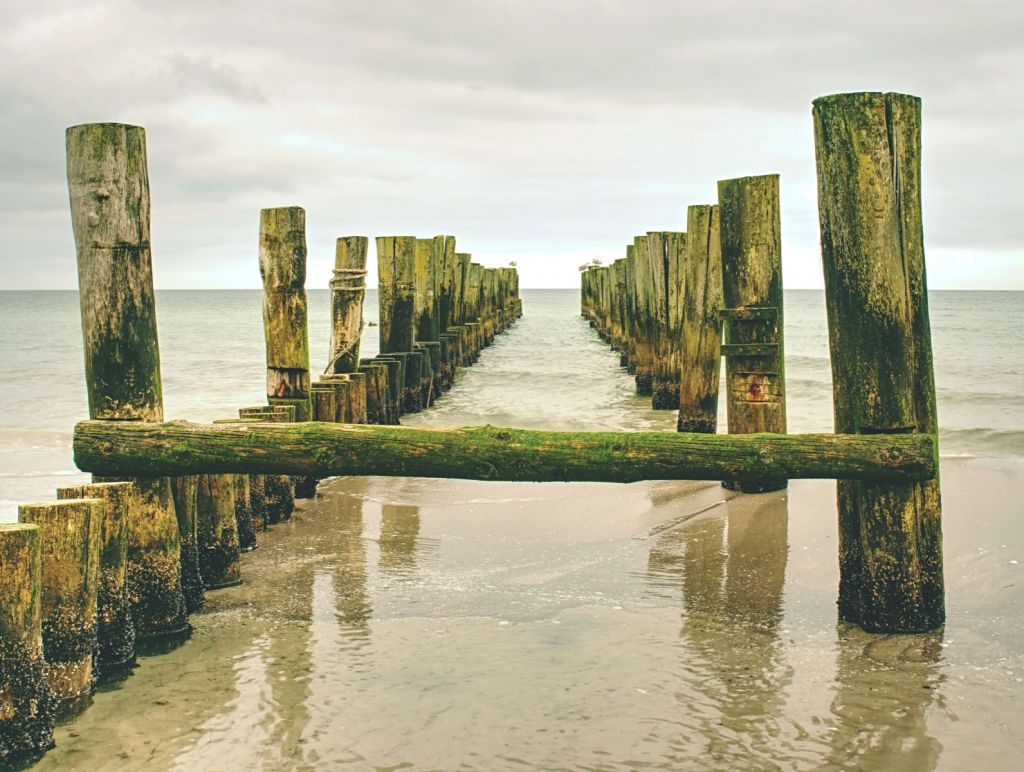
(491, 453)
(27, 703)
(396, 272)
(219, 558)
(701, 338)
(115, 632)
(750, 234)
(283, 270)
(108, 184)
(348, 288)
(645, 323)
(426, 308)
(184, 489)
(868, 148)
(70, 580)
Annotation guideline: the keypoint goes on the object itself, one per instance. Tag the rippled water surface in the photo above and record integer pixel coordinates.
(426, 624)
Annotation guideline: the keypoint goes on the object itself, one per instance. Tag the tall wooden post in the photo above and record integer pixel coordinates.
(868, 148)
(444, 247)
(283, 270)
(752, 318)
(108, 182)
(644, 317)
(396, 271)
(347, 290)
(115, 633)
(27, 703)
(219, 558)
(700, 355)
(71, 559)
(426, 302)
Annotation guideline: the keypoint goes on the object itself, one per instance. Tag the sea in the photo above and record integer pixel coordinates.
(405, 623)
(554, 373)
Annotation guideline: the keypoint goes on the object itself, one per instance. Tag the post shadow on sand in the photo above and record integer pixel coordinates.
(730, 566)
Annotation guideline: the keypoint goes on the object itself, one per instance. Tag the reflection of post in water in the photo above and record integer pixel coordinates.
(884, 687)
(731, 568)
(322, 589)
(399, 538)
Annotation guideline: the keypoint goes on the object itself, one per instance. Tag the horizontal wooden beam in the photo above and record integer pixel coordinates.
(129, 449)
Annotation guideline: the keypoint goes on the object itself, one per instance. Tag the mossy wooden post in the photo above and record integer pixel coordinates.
(27, 703)
(426, 308)
(283, 270)
(413, 402)
(462, 263)
(243, 514)
(185, 507)
(347, 290)
(374, 391)
(395, 381)
(644, 317)
(396, 271)
(750, 235)
(677, 251)
(115, 633)
(108, 184)
(631, 310)
(868, 148)
(701, 338)
(325, 403)
(219, 556)
(70, 583)
(444, 247)
(666, 251)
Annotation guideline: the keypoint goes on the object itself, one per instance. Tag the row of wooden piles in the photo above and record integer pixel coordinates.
(677, 302)
(114, 567)
(664, 305)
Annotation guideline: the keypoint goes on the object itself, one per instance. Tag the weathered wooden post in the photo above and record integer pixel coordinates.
(115, 633)
(243, 513)
(283, 270)
(700, 354)
(285, 325)
(108, 183)
(70, 577)
(750, 235)
(27, 703)
(185, 507)
(396, 271)
(325, 403)
(347, 290)
(426, 307)
(219, 556)
(868, 148)
(667, 253)
(644, 316)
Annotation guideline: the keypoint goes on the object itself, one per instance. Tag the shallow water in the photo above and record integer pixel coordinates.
(499, 626)
(450, 624)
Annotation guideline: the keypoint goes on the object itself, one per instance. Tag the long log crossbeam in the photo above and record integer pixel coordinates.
(178, 448)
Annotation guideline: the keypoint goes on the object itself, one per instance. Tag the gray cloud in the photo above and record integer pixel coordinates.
(541, 130)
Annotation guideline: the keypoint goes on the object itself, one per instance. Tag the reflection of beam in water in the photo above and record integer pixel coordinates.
(884, 687)
(730, 565)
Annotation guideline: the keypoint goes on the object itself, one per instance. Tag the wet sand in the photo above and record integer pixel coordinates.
(448, 624)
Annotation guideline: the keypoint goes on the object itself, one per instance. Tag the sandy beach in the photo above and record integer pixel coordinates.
(452, 624)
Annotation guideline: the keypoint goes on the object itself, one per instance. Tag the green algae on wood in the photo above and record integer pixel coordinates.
(108, 184)
(28, 705)
(868, 152)
(219, 558)
(493, 453)
(396, 273)
(70, 583)
(115, 632)
(184, 489)
(282, 259)
(701, 335)
(751, 240)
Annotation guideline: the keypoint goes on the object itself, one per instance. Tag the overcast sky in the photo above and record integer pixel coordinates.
(542, 131)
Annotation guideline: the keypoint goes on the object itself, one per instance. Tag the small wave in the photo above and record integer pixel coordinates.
(982, 442)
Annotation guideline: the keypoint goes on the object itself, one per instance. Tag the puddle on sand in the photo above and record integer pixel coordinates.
(449, 624)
